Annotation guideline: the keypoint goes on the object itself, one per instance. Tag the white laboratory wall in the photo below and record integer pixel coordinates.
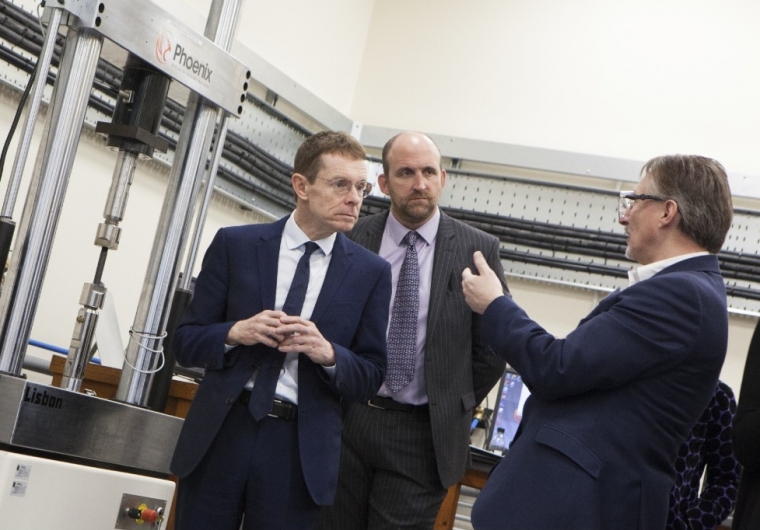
(621, 79)
(319, 45)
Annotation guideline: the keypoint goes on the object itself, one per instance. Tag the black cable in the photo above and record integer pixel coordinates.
(16, 118)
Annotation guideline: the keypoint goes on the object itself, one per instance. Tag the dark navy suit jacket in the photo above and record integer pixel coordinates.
(610, 404)
(238, 280)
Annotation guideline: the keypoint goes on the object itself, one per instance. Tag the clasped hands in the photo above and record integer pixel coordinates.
(285, 333)
(481, 289)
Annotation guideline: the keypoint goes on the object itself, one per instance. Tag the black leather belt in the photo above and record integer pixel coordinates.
(280, 409)
(387, 403)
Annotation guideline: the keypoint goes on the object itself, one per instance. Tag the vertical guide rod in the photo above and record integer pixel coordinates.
(35, 100)
(42, 209)
(40, 73)
(182, 296)
(200, 218)
(144, 356)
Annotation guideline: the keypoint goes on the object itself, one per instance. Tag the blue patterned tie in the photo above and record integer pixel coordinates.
(262, 395)
(402, 333)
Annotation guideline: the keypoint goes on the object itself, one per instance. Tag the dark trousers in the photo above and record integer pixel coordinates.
(388, 475)
(251, 473)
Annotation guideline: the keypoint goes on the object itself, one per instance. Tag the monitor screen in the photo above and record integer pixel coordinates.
(508, 412)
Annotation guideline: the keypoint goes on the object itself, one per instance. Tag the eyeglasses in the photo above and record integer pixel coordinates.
(342, 186)
(627, 198)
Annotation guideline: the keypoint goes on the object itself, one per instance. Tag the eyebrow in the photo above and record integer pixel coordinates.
(423, 169)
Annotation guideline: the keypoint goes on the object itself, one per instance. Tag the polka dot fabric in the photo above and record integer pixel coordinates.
(708, 450)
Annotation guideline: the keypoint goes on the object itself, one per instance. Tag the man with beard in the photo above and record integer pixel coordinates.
(408, 444)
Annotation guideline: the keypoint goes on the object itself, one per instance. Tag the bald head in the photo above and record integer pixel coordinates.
(412, 177)
(409, 139)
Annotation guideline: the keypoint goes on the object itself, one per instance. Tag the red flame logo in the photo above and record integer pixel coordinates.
(163, 46)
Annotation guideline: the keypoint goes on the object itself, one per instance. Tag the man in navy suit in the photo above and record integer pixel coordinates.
(273, 464)
(612, 402)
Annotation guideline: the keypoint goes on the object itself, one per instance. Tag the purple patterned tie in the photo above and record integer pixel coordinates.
(402, 334)
(262, 395)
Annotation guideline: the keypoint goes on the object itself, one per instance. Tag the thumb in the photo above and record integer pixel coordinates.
(481, 263)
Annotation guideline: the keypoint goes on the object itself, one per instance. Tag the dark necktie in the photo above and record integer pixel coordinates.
(402, 333)
(262, 395)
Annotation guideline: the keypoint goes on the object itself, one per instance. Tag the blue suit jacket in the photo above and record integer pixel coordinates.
(237, 281)
(610, 404)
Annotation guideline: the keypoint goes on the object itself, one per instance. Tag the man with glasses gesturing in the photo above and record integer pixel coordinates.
(612, 402)
(288, 319)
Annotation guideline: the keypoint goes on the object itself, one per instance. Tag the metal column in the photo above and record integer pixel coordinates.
(42, 209)
(144, 355)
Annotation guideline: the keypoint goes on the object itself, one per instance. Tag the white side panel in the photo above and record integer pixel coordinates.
(38, 494)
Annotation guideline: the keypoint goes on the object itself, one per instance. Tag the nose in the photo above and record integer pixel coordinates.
(353, 196)
(623, 218)
(420, 183)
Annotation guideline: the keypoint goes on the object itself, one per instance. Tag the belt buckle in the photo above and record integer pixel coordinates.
(370, 404)
(286, 408)
(276, 402)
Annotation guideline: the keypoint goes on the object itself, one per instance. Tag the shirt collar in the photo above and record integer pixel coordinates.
(294, 237)
(427, 232)
(647, 271)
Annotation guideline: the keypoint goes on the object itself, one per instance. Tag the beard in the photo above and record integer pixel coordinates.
(415, 211)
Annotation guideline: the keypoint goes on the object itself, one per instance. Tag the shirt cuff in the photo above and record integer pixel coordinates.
(330, 370)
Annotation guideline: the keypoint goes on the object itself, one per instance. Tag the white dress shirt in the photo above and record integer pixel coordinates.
(647, 271)
(291, 250)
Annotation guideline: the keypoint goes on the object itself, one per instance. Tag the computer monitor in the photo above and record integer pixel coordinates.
(508, 411)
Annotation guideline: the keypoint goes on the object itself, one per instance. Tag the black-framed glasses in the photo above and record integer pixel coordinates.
(341, 186)
(627, 198)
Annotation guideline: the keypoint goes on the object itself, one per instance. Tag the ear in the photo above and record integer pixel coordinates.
(382, 181)
(300, 186)
(670, 213)
(443, 178)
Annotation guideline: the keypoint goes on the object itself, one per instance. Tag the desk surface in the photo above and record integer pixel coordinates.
(104, 380)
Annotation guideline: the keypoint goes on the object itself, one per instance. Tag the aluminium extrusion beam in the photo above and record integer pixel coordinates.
(163, 41)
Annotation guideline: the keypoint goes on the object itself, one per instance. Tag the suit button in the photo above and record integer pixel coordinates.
(230, 400)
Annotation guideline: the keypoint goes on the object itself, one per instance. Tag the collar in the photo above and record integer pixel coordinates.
(294, 237)
(427, 231)
(647, 271)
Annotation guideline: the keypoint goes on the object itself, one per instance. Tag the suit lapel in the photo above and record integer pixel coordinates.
(443, 263)
(268, 253)
(340, 264)
(370, 234)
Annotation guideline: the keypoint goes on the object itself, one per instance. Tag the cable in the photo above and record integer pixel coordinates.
(149, 336)
(16, 119)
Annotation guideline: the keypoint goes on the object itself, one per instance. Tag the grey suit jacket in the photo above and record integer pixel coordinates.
(460, 369)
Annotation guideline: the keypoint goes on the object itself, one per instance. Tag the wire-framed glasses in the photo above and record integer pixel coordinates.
(341, 186)
(627, 198)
